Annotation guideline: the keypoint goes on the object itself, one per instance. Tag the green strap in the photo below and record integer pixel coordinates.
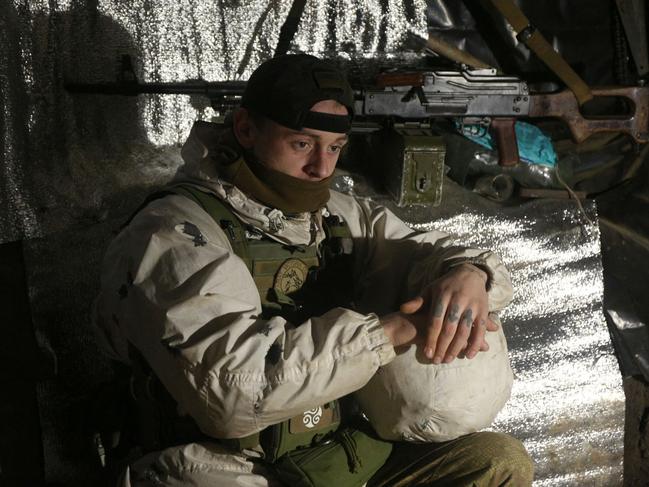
(336, 227)
(222, 215)
(280, 298)
(340, 231)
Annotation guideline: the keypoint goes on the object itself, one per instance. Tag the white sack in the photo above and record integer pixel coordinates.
(419, 401)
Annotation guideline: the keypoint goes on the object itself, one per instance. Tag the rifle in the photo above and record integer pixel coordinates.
(223, 95)
(474, 96)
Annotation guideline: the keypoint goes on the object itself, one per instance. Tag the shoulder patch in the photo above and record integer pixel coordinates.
(193, 232)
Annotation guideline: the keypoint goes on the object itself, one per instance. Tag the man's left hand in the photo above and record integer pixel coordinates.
(457, 314)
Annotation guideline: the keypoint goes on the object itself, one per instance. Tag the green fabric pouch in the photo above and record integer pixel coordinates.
(348, 459)
(301, 431)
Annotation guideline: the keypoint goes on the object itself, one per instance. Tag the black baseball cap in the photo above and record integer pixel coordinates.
(285, 88)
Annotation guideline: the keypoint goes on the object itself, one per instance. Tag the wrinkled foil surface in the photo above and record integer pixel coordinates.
(567, 403)
(72, 163)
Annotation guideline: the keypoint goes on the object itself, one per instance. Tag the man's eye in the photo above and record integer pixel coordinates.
(301, 145)
(335, 148)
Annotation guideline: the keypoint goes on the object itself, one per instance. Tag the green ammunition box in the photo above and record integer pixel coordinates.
(412, 162)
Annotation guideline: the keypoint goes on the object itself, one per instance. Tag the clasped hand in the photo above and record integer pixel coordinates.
(448, 319)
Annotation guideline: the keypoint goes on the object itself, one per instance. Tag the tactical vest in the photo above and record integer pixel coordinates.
(295, 282)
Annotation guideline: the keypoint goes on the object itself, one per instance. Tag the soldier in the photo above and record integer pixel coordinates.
(254, 298)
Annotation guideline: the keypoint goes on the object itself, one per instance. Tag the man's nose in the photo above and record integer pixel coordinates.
(319, 164)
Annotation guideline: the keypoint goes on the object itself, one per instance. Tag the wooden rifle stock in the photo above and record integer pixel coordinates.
(564, 105)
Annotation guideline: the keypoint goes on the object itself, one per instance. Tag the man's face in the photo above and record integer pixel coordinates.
(307, 154)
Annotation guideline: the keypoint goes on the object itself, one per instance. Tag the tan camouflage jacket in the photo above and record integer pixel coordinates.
(188, 303)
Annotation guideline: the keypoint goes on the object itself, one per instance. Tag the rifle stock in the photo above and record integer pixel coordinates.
(564, 105)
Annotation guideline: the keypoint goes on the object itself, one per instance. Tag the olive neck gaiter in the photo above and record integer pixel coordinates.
(273, 188)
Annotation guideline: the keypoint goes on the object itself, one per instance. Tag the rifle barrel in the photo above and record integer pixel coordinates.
(205, 88)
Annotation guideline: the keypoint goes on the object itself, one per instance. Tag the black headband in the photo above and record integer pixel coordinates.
(340, 124)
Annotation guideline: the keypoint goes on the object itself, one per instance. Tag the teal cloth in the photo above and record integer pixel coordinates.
(534, 146)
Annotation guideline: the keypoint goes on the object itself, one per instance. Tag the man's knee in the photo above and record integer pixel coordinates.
(507, 460)
(483, 459)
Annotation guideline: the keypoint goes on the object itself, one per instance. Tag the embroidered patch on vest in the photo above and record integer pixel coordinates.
(290, 276)
(314, 419)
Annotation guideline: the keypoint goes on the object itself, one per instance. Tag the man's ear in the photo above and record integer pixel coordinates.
(244, 128)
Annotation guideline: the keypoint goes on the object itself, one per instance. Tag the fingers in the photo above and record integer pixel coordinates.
(449, 329)
(435, 320)
(455, 324)
(462, 333)
(477, 339)
(412, 306)
(465, 337)
(484, 347)
(491, 324)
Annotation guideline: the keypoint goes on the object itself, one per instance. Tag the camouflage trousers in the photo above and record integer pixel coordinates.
(478, 459)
